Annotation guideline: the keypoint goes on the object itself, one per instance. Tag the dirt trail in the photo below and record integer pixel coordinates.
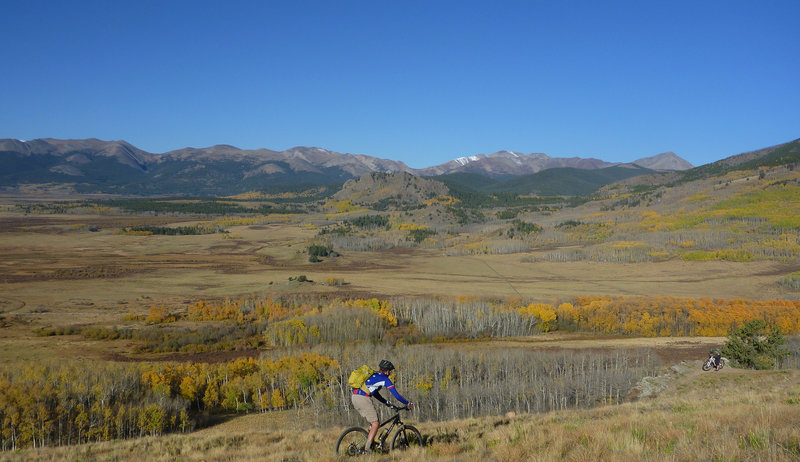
(671, 350)
(9, 305)
(683, 372)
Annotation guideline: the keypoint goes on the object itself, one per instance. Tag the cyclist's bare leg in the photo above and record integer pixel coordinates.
(373, 430)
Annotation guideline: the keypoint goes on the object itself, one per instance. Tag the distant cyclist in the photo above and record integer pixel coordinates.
(717, 355)
(364, 405)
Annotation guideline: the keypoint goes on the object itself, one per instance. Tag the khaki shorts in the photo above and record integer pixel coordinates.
(365, 407)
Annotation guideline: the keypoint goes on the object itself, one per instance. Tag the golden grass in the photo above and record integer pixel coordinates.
(729, 415)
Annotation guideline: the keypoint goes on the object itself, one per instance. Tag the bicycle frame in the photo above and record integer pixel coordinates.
(394, 420)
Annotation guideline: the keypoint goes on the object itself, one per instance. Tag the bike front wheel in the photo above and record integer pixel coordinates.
(707, 366)
(351, 442)
(406, 437)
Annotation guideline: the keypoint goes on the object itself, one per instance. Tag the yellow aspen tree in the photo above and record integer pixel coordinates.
(211, 396)
(277, 400)
(189, 388)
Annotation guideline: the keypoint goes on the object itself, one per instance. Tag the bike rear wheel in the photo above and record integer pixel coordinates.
(351, 442)
(406, 437)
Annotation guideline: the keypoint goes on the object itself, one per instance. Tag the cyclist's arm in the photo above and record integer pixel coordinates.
(377, 395)
(397, 396)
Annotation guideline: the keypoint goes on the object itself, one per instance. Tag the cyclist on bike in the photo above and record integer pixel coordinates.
(364, 405)
(717, 355)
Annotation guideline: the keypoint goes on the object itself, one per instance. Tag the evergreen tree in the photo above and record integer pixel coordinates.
(755, 345)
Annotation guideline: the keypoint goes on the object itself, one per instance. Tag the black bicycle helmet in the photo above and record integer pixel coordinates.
(386, 365)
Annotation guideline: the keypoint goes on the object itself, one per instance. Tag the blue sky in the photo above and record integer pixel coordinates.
(420, 82)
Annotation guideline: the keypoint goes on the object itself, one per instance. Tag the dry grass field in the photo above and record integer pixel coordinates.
(56, 254)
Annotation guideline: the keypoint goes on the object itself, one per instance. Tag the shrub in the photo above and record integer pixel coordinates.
(792, 281)
(159, 314)
(755, 345)
(370, 221)
(316, 251)
(507, 214)
(569, 224)
(419, 235)
(725, 254)
(525, 227)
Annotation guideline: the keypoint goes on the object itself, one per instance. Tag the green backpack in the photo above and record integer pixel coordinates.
(359, 376)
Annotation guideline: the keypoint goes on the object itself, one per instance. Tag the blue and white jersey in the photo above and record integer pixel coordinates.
(377, 381)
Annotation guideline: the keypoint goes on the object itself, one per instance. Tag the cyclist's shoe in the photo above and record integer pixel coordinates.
(370, 450)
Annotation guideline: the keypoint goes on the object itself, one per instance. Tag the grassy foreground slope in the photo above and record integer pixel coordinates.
(729, 415)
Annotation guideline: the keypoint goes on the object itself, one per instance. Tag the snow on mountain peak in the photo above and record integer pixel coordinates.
(465, 160)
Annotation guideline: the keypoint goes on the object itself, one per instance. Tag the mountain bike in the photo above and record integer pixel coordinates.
(711, 364)
(352, 441)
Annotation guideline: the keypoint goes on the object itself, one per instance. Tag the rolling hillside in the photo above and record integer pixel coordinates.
(559, 181)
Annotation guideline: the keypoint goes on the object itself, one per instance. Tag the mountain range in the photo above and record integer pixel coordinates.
(93, 165)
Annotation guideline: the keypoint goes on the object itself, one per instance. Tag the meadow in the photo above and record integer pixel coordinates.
(184, 324)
